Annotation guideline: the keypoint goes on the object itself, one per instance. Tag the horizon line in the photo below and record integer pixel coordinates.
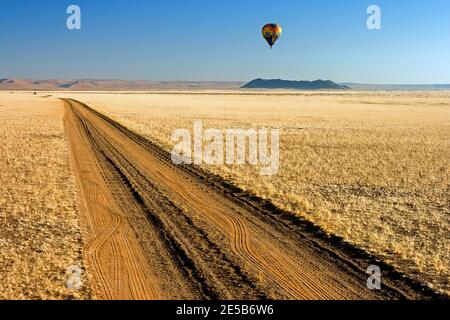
(221, 81)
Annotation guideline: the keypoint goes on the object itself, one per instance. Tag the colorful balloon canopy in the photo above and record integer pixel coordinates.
(272, 32)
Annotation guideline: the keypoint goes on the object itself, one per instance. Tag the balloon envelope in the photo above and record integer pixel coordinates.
(272, 32)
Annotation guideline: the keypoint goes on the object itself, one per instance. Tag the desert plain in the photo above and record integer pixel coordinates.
(371, 168)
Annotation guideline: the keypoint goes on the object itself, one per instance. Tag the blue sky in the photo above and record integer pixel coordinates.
(221, 40)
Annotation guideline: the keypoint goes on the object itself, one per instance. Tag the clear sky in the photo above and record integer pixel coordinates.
(221, 40)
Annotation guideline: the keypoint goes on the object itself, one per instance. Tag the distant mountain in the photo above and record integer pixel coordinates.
(99, 85)
(396, 87)
(298, 85)
(142, 85)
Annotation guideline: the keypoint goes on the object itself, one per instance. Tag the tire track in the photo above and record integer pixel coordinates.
(214, 243)
(105, 248)
(185, 244)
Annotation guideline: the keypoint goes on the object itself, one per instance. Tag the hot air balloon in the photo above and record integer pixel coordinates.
(272, 32)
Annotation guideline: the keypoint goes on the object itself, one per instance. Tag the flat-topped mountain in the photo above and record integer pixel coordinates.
(288, 84)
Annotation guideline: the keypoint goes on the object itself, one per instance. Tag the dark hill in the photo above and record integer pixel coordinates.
(299, 85)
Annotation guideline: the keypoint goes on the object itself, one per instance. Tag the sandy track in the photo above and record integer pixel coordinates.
(119, 269)
(160, 231)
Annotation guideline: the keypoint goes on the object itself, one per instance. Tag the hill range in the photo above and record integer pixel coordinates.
(142, 85)
(106, 85)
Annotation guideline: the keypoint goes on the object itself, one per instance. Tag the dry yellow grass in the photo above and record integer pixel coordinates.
(372, 167)
(39, 233)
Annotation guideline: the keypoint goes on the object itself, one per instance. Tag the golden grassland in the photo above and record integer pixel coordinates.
(39, 232)
(371, 167)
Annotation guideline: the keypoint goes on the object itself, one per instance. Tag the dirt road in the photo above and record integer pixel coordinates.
(155, 230)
